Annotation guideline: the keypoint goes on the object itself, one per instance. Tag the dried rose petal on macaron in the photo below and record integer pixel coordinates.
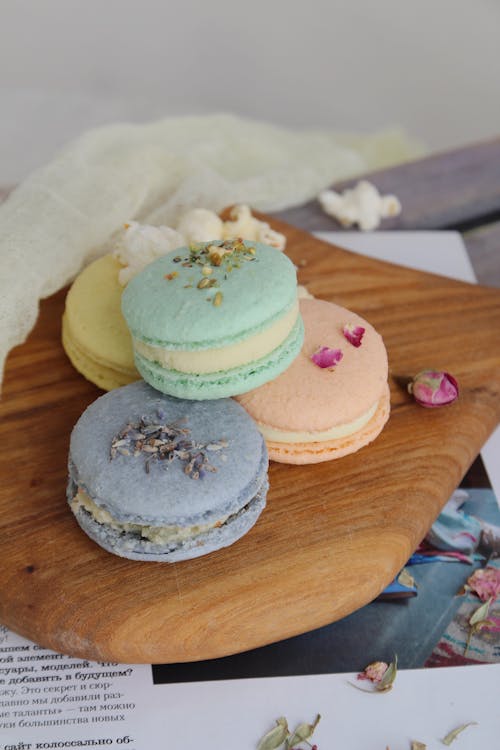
(432, 388)
(353, 334)
(325, 357)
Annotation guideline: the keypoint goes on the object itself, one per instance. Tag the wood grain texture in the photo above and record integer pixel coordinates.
(332, 536)
(442, 191)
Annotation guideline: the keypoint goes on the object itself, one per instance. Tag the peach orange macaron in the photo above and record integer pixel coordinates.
(334, 397)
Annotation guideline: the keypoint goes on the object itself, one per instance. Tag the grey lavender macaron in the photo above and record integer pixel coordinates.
(152, 477)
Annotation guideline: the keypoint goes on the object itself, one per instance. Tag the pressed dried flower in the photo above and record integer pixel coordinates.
(406, 579)
(302, 732)
(280, 735)
(485, 582)
(387, 680)
(451, 736)
(478, 621)
(374, 671)
(381, 675)
(432, 388)
(354, 334)
(325, 357)
(171, 276)
(480, 614)
(275, 737)
(203, 283)
(416, 745)
(218, 299)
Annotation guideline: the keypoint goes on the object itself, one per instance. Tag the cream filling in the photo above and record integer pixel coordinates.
(340, 431)
(224, 358)
(156, 534)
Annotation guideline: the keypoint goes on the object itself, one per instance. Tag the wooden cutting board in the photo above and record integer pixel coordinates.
(332, 535)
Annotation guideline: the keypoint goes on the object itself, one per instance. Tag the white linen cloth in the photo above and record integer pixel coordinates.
(65, 213)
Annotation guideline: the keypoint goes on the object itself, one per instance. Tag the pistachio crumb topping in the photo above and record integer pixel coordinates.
(227, 255)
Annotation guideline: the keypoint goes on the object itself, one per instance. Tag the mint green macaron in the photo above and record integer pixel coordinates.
(215, 319)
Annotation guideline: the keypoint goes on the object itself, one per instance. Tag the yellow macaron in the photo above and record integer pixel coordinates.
(94, 334)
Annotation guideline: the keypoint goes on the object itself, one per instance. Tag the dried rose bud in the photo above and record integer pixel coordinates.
(431, 388)
(327, 358)
(374, 671)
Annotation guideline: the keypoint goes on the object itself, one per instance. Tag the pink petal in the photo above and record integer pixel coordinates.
(431, 388)
(354, 334)
(326, 357)
(374, 671)
(485, 582)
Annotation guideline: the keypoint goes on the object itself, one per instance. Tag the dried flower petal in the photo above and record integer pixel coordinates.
(431, 388)
(416, 745)
(406, 579)
(302, 732)
(275, 737)
(354, 334)
(480, 613)
(374, 671)
(325, 357)
(387, 680)
(477, 622)
(451, 736)
(485, 582)
(380, 674)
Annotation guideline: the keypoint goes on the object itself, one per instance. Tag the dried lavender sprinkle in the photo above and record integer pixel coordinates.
(165, 442)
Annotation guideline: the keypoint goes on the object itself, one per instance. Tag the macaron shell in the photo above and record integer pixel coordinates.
(131, 547)
(166, 495)
(164, 306)
(95, 335)
(311, 453)
(308, 398)
(97, 372)
(223, 383)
